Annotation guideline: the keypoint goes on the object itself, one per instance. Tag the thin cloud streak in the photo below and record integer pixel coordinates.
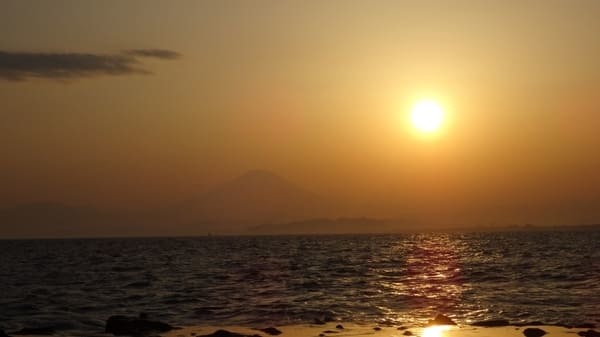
(157, 53)
(20, 66)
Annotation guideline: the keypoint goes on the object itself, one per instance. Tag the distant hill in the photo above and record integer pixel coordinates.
(255, 197)
(50, 219)
(329, 226)
(256, 203)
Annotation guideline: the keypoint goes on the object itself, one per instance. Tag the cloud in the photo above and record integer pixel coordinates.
(158, 53)
(19, 66)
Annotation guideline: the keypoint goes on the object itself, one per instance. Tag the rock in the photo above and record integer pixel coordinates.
(225, 333)
(589, 333)
(377, 328)
(271, 331)
(402, 328)
(585, 326)
(123, 325)
(330, 331)
(534, 332)
(492, 323)
(339, 326)
(321, 335)
(323, 318)
(407, 333)
(441, 320)
(36, 331)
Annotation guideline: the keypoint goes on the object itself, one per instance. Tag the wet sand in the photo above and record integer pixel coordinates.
(355, 330)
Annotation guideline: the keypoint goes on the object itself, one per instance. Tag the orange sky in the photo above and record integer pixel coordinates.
(318, 92)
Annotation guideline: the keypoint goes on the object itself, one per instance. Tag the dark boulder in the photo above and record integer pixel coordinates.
(585, 326)
(534, 332)
(271, 331)
(492, 323)
(323, 317)
(36, 331)
(225, 333)
(441, 320)
(339, 326)
(589, 333)
(134, 326)
(402, 328)
(407, 333)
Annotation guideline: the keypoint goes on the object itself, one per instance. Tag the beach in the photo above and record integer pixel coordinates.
(358, 330)
(440, 326)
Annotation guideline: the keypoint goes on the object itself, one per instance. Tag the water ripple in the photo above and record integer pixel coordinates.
(75, 285)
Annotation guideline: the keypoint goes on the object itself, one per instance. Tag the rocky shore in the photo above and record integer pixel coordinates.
(439, 326)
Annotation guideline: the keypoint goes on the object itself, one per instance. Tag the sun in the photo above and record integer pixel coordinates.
(427, 116)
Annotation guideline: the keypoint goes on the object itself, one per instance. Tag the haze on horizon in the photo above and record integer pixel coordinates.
(143, 105)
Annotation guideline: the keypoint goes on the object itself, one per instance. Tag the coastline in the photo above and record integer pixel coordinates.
(367, 330)
(440, 326)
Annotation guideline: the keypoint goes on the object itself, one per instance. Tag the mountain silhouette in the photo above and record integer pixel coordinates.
(350, 225)
(255, 197)
(52, 219)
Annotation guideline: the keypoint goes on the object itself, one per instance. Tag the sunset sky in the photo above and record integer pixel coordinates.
(138, 104)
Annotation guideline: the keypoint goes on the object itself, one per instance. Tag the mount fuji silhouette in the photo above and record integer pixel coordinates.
(255, 197)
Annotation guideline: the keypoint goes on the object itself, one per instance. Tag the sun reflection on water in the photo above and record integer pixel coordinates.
(427, 278)
(435, 331)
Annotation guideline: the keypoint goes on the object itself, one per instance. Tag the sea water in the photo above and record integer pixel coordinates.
(75, 285)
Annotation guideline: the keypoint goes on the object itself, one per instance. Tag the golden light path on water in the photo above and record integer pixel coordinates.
(427, 279)
(435, 331)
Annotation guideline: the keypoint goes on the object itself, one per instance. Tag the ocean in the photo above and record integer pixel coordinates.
(74, 285)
